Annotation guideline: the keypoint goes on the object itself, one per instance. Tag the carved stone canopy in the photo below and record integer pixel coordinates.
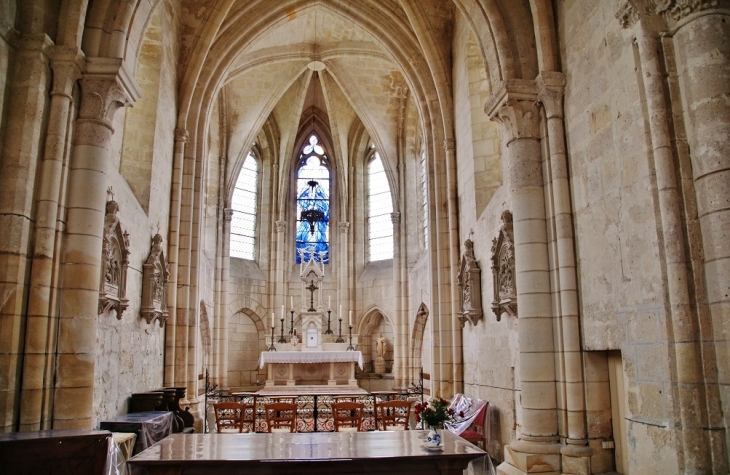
(470, 287)
(503, 269)
(155, 276)
(114, 263)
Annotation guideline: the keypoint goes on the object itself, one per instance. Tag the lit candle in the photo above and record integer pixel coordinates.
(349, 318)
(291, 301)
(282, 312)
(340, 314)
(329, 302)
(272, 320)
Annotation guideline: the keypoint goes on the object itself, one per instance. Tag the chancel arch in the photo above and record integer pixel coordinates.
(374, 323)
(246, 340)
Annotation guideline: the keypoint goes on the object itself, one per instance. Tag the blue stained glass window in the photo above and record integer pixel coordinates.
(313, 184)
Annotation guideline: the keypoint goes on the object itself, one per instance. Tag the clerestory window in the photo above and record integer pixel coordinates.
(380, 207)
(243, 203)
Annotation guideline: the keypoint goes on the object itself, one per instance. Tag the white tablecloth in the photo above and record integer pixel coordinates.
(310, 357)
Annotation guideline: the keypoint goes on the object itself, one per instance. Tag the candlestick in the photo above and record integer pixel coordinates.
(272, 347)
(350, 347)
(329, 331)
(282, 310)
(272, 319)
(291, 301)
(281, 337)
(349, 318)
(339, 338)
(291, 328)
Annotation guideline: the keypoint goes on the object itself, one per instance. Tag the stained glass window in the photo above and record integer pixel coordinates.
(380, 207)
(243, 223)
(313, 190)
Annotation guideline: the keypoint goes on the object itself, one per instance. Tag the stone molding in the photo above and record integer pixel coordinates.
(449, 145)
(551, 88)
(503, 269)
(155, 276)
(114, 263)
(280, 226)
(344, 227)
(394, 217)
(228, 214)
(627, 13)
(470, 286)
(680, 9)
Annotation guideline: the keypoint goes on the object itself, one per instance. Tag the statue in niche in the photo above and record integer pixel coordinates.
(469, 280)
(503, 270)
(381, 345)
(155, 276)
(114, 263)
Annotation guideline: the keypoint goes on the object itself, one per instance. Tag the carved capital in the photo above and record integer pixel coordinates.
(181, 135)
(679, 9)
(100, 100)
(627, 13)
(519, 120)
(551, 89)
(67, 63)
(344, 227)
(280, 226)
(227, 214)
(395, 217)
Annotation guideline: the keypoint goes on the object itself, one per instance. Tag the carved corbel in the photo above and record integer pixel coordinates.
(155, 276)
(503, 269)
(470, 286)
(114, 263)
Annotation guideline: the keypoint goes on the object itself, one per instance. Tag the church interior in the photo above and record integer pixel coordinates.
(521, 201)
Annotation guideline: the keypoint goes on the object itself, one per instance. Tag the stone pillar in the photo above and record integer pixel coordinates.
(702, 47)
(454, 326)
(537, 440)
(105, 88)
(222, 354)
(400, 332)
(344, 264)
(40, 343)
(576, 455)
(181, 137)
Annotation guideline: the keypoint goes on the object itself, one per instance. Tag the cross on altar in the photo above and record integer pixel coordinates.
(311, 289)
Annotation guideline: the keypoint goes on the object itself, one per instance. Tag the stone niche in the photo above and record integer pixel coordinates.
(114, 263)
(470, 286)
(155, 276)
(503, 269)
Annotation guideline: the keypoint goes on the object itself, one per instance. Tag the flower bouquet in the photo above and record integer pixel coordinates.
(433, 414)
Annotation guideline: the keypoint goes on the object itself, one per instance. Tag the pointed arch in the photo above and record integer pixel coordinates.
(419, 327)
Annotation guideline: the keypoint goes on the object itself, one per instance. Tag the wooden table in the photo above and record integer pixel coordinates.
(396, 452)
(150, 427)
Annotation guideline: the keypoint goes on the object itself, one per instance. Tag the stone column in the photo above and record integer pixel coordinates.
(344, 288)
(27, 100)
(551, 86)
(702, 46)
(222, 363)
(519, 116)
(181, 137)
(40, 342)
(105, 88)
(400, 332)
(281, 275)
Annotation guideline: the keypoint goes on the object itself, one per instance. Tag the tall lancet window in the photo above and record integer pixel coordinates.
(243, 223)
(313, 202)
(380, 207)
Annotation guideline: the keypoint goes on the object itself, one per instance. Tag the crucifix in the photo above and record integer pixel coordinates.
(311, 289)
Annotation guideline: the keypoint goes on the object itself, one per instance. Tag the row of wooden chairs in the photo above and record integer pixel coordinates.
(233, 417)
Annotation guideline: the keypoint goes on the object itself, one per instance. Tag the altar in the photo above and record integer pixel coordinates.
(311, 370)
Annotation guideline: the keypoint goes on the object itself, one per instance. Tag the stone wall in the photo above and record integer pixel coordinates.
(613, 190)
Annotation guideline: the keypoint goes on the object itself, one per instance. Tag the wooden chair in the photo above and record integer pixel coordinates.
(392, 415)
(348, 416)
(281, 417)
(229, 417)
(476, 433)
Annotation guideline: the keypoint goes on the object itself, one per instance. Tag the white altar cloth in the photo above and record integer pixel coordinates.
(279, 357)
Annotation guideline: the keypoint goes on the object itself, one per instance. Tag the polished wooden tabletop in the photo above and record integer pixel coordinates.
(315, 452)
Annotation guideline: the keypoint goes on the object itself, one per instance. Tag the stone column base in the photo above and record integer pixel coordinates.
(576, 459)
(521, 458)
